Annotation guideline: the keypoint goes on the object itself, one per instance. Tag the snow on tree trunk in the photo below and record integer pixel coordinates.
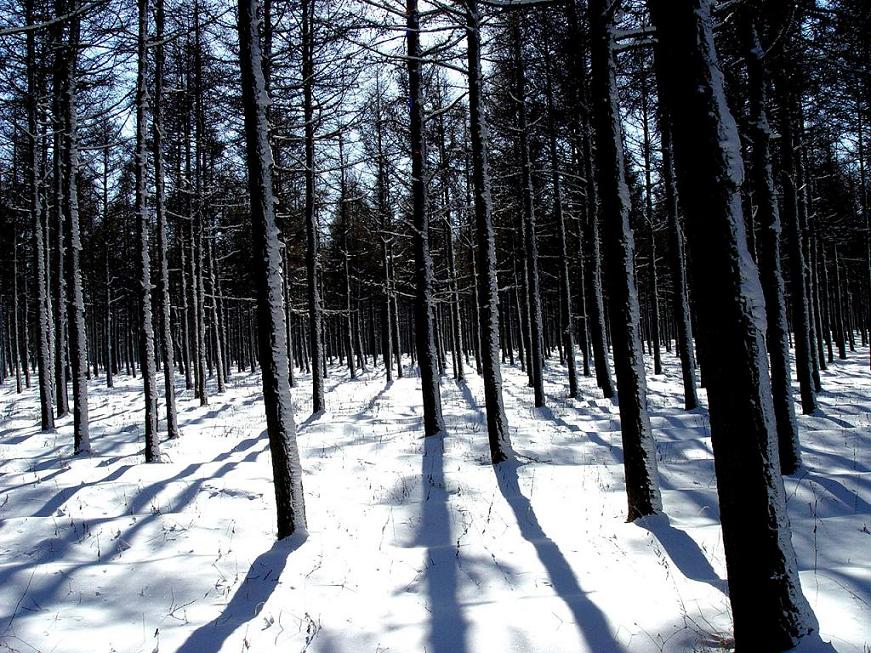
(43, 312)
(280, 426)
(590, 223)
(75, 296)
(683, 321)
(145, 327)
(795, 243)
(567, 327)
(769, 610)
(165, 304)
(423, 276)
(529, 226)
(768, 215)
(311, 226)
(639, 449)
(487, 283)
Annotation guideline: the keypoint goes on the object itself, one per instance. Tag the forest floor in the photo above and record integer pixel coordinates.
(415, 544)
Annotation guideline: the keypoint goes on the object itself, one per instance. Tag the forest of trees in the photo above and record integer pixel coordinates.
(194, 189)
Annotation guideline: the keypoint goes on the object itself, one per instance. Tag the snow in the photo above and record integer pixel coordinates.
(414, 543)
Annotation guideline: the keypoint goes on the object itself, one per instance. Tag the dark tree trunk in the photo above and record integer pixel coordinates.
(423, 276)
(311, 227)
(840, 325)
(486, 282)
(197, 255)
(567, 327)
(801, 325)
(648, 211)
(533, 289)
(165, 305)
(769, 610)
(145, 327)
(596, 306)
(59, 170)
(280, 426)
(75, 295)
(682, 318)
(769, 252)
(639, 449)
(43, 312)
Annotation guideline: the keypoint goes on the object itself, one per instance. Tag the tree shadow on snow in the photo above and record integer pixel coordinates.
(252, 594)
(683, 551)
(448, 626)
(589, 619)
(615, 449)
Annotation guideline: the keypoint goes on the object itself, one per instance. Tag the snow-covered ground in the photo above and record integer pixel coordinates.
(415, 544)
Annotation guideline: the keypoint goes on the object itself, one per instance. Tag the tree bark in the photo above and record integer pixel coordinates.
(529, 227)
(769, 610)
(145, 328)
(486, 281)
(769, 252)
(280, 426)
(75, 296)
(311, 227)
(423, 304)
(165, 304)
(43, 312)
(639, 449)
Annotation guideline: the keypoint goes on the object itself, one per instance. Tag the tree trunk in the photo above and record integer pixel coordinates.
(567, 327)
(769, 611)
(43, 312)
(75, 296)
(59, 170)
(487, 283)
(529, 228)
(423, 305)
(639, 449)
(311, 227)
(280, 426)
(795, 241)
(769, 254)
(840, 323)
(648, 211)
(590, 230)
(145, 329)
(164, 303)
(682, 316)
(197, 256)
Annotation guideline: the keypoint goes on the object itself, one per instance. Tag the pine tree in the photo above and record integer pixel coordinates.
(275, 372)
(639, 449)
(769, 610)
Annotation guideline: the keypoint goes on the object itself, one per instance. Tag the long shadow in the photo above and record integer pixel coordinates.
(242, 445)
(837, 421)
(374, 400)
(448, 626)
(18, 439)
(68, 493)
(56, 548)
(847, 497)
(35, 483)
(593, 436)
(308, 421)
(466, 391)
(590, 620)
(683, 551)
(248, 600)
